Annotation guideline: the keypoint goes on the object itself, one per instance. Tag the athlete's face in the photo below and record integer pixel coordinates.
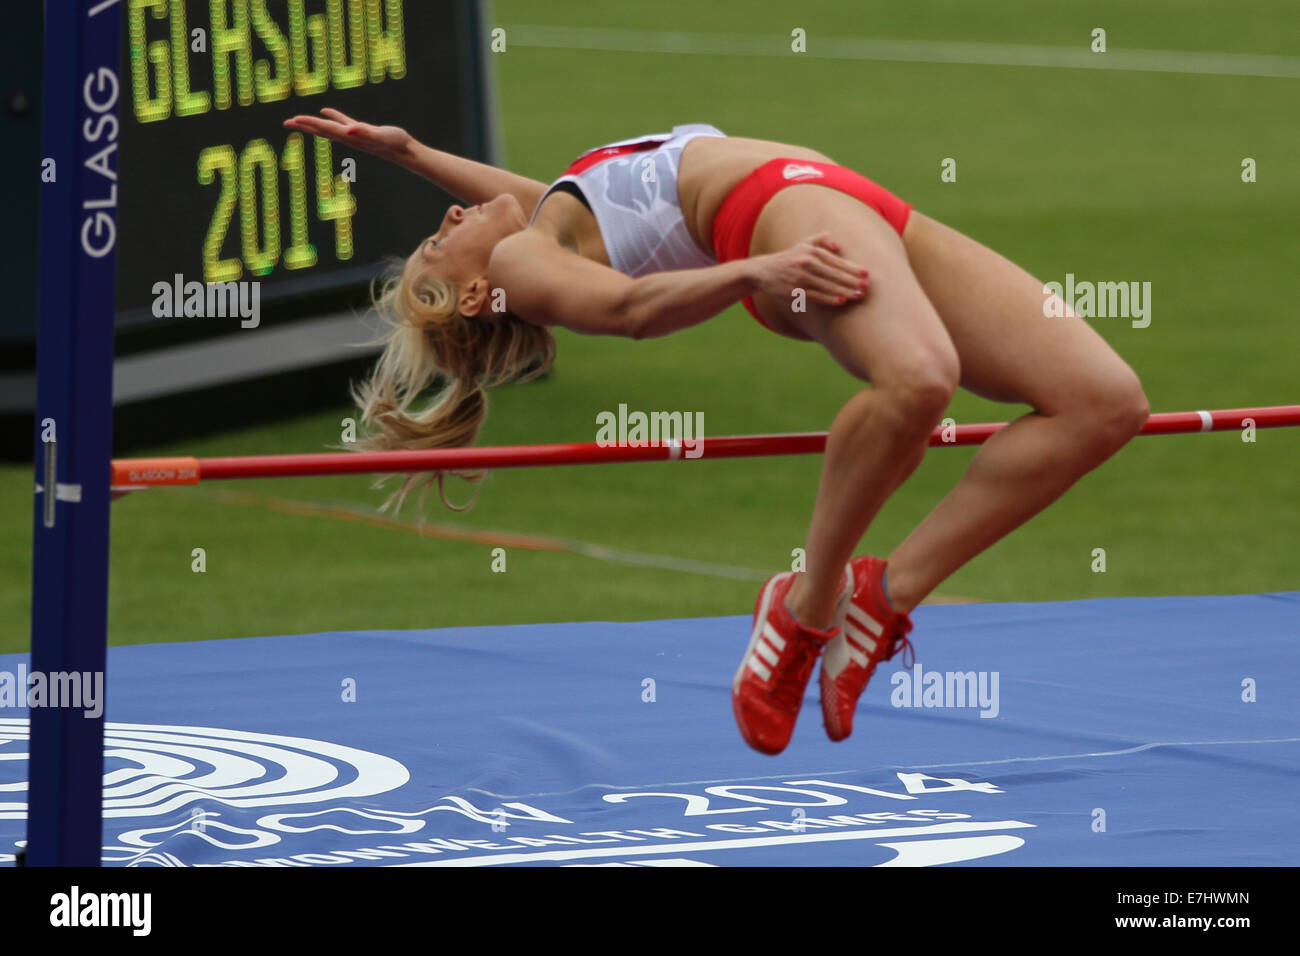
(463, 244)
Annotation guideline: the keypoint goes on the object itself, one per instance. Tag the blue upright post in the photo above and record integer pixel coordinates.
(74, 418)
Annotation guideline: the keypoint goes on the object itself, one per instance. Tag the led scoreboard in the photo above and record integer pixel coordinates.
(214, 189)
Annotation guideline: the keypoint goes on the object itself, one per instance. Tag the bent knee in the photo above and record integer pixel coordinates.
(1113, 410)
(918, 391)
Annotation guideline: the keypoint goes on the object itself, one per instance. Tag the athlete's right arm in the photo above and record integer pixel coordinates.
(469, 181)
(547, 284)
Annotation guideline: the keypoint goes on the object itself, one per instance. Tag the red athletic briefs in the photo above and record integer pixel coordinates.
(733, 227)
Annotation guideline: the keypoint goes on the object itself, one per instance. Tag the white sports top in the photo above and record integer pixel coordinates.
(633, 196)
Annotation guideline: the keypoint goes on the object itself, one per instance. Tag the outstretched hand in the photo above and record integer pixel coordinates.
(387, 142)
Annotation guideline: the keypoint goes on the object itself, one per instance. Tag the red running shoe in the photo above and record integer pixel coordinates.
(768, 689)
(871, 631)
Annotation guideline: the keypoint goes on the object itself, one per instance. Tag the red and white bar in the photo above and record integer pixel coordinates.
(146, 472)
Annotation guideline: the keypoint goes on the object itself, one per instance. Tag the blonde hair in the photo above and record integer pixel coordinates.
(430, 343)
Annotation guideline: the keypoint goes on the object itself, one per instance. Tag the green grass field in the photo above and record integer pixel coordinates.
(1111, 175)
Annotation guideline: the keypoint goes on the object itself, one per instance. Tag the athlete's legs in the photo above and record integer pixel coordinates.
(894, 339)
(1087, 403)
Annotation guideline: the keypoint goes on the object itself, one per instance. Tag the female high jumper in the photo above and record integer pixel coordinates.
(646, 236)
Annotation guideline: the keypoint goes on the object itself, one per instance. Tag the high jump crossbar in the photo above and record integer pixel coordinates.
(136, 473)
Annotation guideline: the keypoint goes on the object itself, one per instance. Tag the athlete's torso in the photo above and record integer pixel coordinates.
(708, 167)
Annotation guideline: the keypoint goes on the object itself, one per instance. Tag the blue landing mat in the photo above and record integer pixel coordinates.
(1158, 731)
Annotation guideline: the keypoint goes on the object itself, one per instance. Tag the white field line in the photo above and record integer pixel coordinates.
(349, 511)
(906, 51)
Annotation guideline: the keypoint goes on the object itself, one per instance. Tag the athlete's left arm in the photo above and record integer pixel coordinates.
(547, 284)
(469, 181)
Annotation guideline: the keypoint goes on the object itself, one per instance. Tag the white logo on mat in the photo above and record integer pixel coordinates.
(152, 769)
